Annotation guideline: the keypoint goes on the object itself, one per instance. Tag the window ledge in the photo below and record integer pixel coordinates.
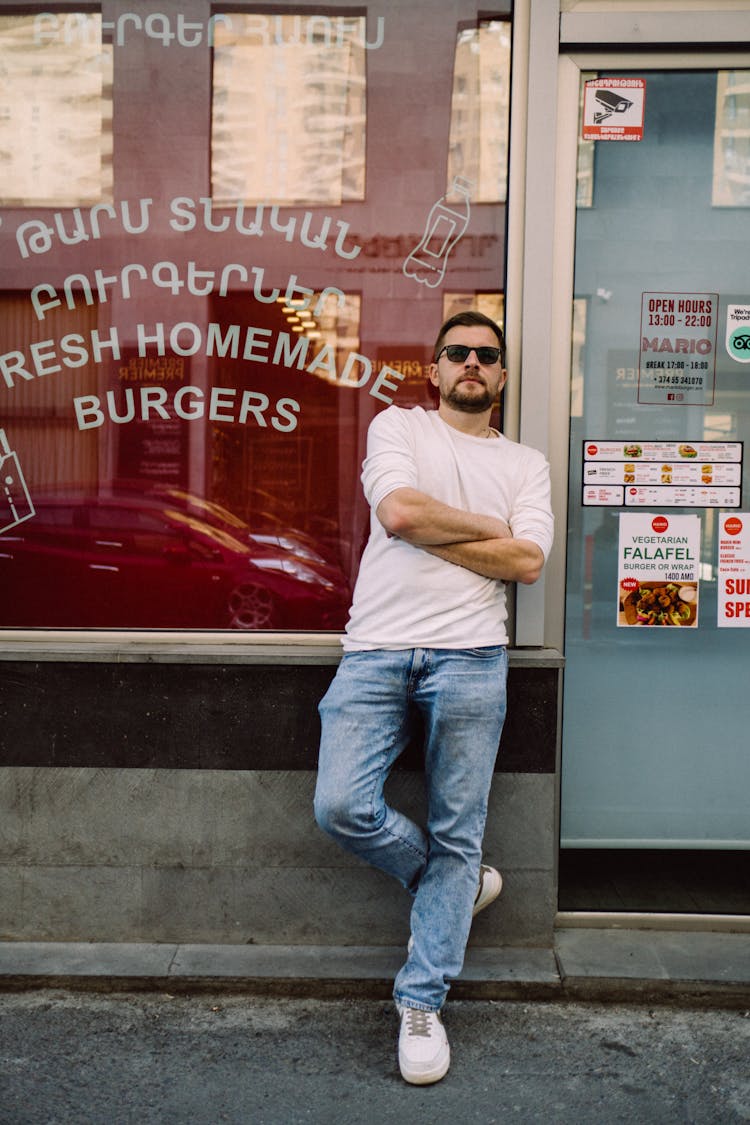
(205, 648)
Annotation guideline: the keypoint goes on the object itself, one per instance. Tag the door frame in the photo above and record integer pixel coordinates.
(610, 38)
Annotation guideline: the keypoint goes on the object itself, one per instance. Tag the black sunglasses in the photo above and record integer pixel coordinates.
(457, 353)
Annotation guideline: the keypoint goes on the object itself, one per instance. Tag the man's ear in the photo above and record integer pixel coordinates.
(432, 374)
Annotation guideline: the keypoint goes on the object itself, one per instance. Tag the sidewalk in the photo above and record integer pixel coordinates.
(585, 963)
(82, 1057)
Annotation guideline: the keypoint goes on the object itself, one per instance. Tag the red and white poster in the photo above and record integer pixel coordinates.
(613, 109)
(733, 601)
(658, 570)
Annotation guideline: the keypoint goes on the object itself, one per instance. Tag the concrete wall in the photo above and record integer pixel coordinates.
(235, 856)
(109, 832)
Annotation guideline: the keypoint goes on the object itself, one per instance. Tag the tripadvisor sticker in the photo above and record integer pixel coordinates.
(738, 332)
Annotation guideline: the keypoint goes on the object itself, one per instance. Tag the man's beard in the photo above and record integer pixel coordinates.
(468, 403)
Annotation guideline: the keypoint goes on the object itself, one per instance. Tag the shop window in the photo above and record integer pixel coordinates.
(55, 110)
(252, 259)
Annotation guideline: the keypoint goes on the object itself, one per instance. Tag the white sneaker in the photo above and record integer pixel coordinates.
(490, 885)
(423, 1051)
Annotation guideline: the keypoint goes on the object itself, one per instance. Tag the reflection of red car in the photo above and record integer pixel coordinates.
(266, 529)
(129, 560)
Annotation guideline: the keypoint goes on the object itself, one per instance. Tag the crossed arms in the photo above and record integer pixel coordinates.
(479, 543)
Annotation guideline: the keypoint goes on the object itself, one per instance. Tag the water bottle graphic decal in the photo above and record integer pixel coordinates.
(15, 504)
(445, 225)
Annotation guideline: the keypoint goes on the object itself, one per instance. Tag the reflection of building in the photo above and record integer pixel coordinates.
(65, 159)
(305, 140)
(732, 141)
(480, 114)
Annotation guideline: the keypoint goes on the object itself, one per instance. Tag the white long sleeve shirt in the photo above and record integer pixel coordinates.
(406, 597)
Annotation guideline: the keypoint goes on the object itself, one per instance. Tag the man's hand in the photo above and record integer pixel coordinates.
(415, 517)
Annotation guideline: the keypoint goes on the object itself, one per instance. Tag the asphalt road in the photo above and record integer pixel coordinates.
(82, 1058)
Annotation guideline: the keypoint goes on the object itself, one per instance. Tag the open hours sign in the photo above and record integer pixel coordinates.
(678, 349)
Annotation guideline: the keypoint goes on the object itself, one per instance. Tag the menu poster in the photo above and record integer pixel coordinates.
(663, 474)
(658, 562)
(733, 602)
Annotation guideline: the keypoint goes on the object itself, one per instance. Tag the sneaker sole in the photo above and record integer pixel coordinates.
(423, 1077)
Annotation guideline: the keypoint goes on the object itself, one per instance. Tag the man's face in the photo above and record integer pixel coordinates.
(468, 385)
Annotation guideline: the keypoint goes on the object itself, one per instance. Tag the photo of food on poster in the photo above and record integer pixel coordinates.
(733, 602)
(658, 561)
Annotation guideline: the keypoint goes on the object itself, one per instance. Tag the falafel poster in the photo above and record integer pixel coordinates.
(657, 583)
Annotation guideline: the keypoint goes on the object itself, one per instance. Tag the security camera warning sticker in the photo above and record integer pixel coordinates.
(613, 109)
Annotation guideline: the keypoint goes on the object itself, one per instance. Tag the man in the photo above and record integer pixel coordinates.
(457, 511)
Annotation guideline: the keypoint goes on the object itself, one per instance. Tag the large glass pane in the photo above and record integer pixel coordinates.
(190, 357)
(655, 746)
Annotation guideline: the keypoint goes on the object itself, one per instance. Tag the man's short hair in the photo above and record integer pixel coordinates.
(470, 318)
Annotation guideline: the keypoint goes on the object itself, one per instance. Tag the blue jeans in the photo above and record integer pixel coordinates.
(365, 726)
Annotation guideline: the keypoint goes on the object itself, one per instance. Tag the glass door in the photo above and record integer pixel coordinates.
(656, 753)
